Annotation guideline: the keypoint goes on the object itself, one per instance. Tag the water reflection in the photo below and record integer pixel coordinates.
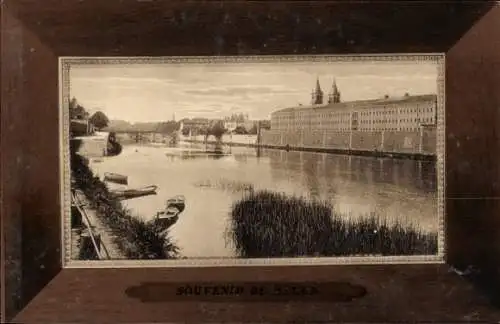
(402, 190)
(419, 175)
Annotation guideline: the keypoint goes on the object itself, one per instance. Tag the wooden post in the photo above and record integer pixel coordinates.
(76, 218)
(382, 141)
(258, 134)
(259, 139)
(350, 140)
(421, 140)
(230, 142)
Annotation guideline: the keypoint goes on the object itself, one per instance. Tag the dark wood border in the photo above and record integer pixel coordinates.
(35, 33)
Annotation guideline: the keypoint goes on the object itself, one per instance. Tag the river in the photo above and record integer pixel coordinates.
(402, 190)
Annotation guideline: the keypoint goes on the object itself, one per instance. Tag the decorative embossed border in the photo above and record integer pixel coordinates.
(65, 66)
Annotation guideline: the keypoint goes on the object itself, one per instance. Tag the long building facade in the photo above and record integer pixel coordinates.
(404, 124)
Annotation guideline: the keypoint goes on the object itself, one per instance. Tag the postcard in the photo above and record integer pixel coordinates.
(259, 160)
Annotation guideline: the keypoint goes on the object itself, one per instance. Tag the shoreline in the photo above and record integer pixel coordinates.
(107, 239)
(375, 154)
(134, 238)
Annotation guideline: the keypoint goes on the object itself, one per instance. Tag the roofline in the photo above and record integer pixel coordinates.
(381, 101)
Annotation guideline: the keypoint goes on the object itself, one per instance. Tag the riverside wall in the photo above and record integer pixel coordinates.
(97, 145)
(92, 146)
(411, 144)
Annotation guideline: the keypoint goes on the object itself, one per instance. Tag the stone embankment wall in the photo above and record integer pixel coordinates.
(417, 142)
(92, 146)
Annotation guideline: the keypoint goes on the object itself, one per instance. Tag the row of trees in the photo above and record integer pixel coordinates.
(241, 130)
(216, 130)
(78, 112)
(239, 118)
(168, 127)
(219, 128)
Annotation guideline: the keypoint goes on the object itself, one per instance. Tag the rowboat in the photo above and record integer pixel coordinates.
(116, 178)
(134, 193)
(170, 215)
(176, 204)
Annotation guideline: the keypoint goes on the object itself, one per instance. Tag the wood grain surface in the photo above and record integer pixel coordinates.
(394, 294)
(36, 33)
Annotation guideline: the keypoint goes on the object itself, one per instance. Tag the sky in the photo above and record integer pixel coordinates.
(158, 92)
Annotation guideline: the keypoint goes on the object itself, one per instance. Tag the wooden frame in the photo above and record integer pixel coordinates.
(35, 34)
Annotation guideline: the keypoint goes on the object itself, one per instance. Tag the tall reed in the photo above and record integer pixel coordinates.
(270, 224)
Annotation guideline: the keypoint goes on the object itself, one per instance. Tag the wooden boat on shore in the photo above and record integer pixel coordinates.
(116, 178)
(134, 193)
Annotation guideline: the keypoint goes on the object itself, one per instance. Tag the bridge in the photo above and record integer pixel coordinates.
(144, 136)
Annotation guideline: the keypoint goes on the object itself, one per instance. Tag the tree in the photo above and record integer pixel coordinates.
(73, 103)
(253, 130)
(99, 120)
(76, 111)
(186, 130)
(217, 130)
(168, 127)
(265, 124)
(240, 130)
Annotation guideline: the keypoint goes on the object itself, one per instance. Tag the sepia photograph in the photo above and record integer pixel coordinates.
(232, 160)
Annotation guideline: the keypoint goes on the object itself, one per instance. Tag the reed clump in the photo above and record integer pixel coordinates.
(270, 224)
(136, 238)
(234, 186)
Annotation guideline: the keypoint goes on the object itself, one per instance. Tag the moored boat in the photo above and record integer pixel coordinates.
(178, 202)
(116, 178)
(134, 193)
(168, 217)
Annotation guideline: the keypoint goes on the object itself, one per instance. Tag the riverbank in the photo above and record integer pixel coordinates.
(377, 154)
(87, 220)
(270, 224)
(134, 237)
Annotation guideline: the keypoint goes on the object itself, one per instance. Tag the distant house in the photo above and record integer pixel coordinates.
(81, 127)
(195, 123)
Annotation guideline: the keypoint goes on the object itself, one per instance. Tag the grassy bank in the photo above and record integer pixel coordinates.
(269, 224)
(136, 238)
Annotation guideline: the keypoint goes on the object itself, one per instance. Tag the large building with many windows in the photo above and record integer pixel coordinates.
(406, 113)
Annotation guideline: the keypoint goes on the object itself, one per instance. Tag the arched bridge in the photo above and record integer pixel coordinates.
(145, 136)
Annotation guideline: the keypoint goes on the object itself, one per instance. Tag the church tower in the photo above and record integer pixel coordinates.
(317, 94)
(334, 96)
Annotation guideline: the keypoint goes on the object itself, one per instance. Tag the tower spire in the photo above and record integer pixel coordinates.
(334, 96)
(317, 94)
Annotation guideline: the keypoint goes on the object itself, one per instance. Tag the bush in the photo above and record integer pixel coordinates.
(269, 224)
(136, 238)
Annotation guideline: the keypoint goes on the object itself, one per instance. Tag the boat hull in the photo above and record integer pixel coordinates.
(165, 223)
(134, 193)
(116, 178)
